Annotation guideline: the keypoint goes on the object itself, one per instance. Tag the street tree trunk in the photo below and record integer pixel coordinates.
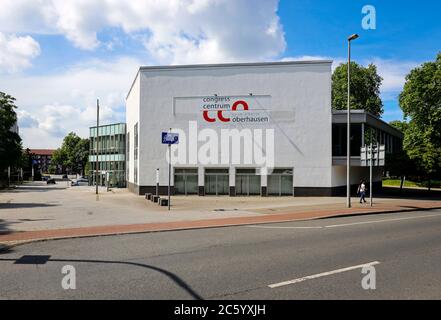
(402, 183)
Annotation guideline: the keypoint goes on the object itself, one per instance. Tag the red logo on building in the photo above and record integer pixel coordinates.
(220, 115)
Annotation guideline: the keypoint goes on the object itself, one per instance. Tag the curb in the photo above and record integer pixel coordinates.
(7, 245)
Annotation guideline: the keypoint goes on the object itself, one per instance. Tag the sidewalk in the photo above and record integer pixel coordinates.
(15, 237)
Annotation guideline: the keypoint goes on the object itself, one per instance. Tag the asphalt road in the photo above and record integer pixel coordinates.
(246, 262)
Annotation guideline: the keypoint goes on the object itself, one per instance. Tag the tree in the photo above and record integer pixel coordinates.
(365, 88)
(398, 163)
(420, 101)
(73, 154)
(10, 141)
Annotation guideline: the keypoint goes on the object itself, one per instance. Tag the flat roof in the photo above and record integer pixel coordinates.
(110, 124)
(362, 116)
(226, 65)
(232, 65)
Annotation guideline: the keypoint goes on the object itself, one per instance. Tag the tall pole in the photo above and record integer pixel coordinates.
(348, 138)
(157, 181)
(169, 172)
(97, 141)
(370, 174)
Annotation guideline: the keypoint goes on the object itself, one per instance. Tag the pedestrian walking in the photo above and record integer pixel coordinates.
(361, 191)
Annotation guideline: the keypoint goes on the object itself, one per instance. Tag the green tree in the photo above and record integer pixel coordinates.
(400, 125)
(365, 88)
(399, 164)
(10, 141)
(420, 101)
(73, 154)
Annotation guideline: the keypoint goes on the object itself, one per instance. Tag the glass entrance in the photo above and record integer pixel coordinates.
(280, 182)
(186, 181)
(247, 182)
(216, 181)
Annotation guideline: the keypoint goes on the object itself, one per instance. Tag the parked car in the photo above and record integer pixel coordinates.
(51, 181)
(80, 182)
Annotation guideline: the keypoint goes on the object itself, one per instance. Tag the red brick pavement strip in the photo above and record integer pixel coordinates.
(27, 236)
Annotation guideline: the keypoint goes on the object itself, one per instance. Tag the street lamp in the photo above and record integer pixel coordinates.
(348, 138)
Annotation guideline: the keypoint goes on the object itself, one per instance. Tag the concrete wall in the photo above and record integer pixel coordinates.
(300, 109)
(132, 117)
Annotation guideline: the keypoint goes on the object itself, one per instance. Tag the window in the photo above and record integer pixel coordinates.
(135, 153)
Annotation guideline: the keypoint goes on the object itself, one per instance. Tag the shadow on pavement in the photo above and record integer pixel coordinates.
(38, 259)
(4, 227)
(408, 193)
(23, 205)
(33, 189)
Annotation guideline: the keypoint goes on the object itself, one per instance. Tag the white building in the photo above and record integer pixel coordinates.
(247, 128)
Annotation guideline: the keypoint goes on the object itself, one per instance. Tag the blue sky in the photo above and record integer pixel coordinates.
(57, 57)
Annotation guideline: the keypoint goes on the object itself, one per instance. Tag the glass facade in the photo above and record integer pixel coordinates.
(186, 181)
(247, 182)
(111, 155)
(358, 136)
(280, 182)
(217, 181)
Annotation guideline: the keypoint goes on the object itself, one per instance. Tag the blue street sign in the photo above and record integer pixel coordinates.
(170, 138)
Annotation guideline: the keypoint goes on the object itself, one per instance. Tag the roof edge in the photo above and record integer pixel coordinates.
(232, 65)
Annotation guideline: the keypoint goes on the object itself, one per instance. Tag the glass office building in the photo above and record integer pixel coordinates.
(111, 155)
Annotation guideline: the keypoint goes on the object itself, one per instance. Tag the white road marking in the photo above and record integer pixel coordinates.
(319, 275)
(379, 221)
(279, 227)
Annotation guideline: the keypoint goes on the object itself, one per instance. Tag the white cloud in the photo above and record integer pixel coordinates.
(394, 75)
(174, 31)
(16, 53)
(50, 106)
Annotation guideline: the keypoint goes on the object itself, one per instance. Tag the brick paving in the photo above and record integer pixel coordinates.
(13, 237)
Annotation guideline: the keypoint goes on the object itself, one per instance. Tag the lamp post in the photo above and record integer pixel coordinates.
(348, 138)
(97, 146)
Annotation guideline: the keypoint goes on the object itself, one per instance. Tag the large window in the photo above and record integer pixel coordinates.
(186, 181)
(217, 181)
(280, 182)
(247, 182)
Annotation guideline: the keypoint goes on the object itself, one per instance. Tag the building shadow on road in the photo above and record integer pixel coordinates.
(39, 260)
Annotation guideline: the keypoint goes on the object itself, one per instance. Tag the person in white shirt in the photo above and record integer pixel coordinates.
(362, 191)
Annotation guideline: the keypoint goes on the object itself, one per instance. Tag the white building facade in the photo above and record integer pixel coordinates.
(244, 129)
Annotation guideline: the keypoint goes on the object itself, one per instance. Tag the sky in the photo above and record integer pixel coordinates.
(58, 56)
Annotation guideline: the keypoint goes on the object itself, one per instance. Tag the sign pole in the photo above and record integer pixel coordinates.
(157, 181)
(370, 175)
(169, 173)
